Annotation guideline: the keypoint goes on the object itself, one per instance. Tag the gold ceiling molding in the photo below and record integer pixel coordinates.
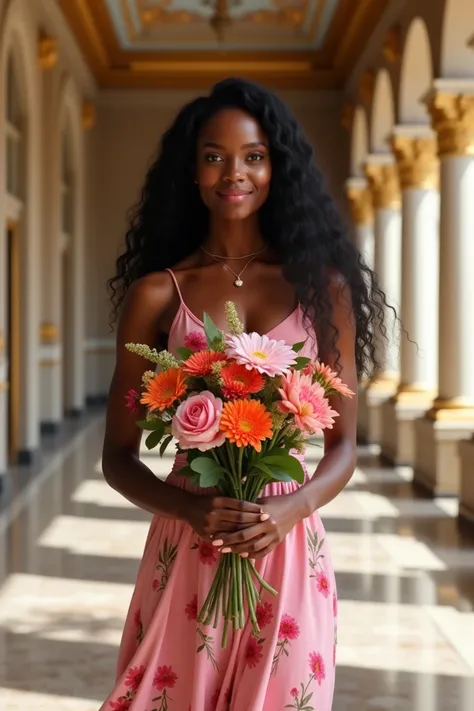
(392, 46)
(48, 51)
(88, 115)
(323, 68)
(367, 86)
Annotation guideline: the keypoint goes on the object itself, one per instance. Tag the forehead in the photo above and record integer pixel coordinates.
(232, 126)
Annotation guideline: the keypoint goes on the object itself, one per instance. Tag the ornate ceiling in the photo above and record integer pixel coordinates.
(191, 43)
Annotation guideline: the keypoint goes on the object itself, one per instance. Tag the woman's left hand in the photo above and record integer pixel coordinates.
(259, 540)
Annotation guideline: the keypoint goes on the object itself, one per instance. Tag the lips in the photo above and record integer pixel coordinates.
(234, 193)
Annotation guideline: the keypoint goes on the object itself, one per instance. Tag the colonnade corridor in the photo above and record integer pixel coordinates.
(70, 553)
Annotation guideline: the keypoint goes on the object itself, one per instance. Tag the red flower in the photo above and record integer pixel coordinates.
(288, 628)
(122, 704)
(192, 608)
(137, 618)
(253, 653)
(294, 692)
(134, 677)
(132, 401)
(195, 341)
(207, 553)
(165, 678)
(264, 614)
(317, 666)
(322, 582)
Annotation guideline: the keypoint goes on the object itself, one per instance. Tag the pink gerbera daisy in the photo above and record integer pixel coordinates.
(261, 353)
(329, 380)
(306, 401)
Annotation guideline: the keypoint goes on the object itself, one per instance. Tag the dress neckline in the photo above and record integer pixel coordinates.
(183, 307)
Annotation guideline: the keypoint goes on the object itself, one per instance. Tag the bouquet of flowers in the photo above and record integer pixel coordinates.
(239, 405)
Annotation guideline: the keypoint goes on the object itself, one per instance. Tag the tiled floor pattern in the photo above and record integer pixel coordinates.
(405, 575)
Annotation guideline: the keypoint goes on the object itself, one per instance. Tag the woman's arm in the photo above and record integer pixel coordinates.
(144, 305)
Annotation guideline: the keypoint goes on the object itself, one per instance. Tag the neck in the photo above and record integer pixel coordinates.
(234, 238)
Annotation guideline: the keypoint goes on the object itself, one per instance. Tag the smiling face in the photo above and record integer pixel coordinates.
(233, 168)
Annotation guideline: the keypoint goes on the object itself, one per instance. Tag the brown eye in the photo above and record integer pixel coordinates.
(253, 157)
(212, 158)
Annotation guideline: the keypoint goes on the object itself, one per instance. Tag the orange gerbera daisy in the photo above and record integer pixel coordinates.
(200, 364)
(164, 389)
(246, 422)
(240, 382)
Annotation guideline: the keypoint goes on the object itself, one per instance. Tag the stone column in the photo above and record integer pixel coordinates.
(451, 418)
(383, 181)
(415, 150)
(362, 214)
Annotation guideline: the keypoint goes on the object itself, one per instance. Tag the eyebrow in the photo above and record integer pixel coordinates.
(255, 144)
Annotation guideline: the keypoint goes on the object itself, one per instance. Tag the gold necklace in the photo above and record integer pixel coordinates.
(238, 277)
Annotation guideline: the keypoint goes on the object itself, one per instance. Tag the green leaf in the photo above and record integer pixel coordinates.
(301, 363)
(154, 439)
(211, 472)
(286, 464)
(298, 346)
(211, 330)
(150, 424)
(184, 353)
(165, 444)
(261, 466)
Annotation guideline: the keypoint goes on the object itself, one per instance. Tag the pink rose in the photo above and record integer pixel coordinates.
(196, 423)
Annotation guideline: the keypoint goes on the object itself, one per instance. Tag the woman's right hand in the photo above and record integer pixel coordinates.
(210, 516)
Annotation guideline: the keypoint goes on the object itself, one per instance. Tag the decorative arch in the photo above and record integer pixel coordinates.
(416, 74)
(359, 142)
(18, 46)
(457, 59)
(383, 113)
(71, 152)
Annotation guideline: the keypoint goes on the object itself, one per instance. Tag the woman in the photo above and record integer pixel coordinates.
(234, 209)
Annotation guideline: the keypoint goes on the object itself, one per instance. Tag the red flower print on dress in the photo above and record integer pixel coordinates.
(134, 677)
(165, 679)
(318, 669)
(253, 653)
(334, 604)
(322, 583)
(192, 609)
(264, 614)
(294, 692)
(195, 341)
(288, 631)
(207, 552)
(123, 703)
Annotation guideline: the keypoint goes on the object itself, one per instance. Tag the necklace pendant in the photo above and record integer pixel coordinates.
(238, 282)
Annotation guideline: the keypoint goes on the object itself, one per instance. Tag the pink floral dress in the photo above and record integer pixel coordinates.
(169, 662)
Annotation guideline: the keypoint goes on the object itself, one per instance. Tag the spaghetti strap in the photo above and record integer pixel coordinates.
(175, 281)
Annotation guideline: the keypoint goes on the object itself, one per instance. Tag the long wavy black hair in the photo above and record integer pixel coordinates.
(299, 219)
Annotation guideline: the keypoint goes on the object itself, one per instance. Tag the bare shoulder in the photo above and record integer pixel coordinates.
(146, 301)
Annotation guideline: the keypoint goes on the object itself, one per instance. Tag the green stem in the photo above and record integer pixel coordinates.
(262, 582)
(251, 598)
(240, 594)
(209, 601)
(235, 595)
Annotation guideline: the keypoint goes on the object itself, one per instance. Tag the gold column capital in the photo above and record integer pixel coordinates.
(384, 184)
(452, 117)
(48, 51)
(49, 333)
(88, 115)
(360, 201)
(417, 160)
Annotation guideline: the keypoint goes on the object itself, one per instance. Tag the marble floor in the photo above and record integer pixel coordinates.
(69, 552)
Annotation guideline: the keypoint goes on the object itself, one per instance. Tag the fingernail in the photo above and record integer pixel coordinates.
(217, 543)
(244, 555)
(264, 517)
(226, 550)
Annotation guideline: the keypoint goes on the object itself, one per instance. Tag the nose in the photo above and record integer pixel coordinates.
(233, 171)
